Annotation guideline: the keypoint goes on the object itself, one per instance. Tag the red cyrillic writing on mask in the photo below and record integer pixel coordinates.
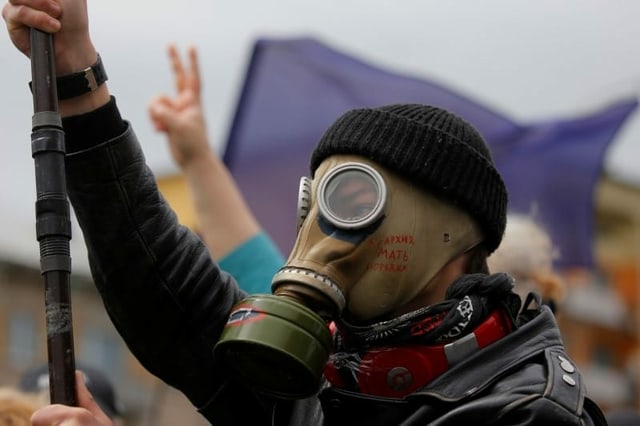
(393, 239)
(386, 267)
(397, 255)
(391, 259)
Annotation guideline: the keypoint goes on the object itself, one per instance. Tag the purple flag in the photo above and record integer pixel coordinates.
(295, 88)
(552, 168)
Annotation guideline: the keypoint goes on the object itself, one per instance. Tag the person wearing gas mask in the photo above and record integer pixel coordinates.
(383, 314)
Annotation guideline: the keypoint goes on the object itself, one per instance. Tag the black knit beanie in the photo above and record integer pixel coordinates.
(433, 149)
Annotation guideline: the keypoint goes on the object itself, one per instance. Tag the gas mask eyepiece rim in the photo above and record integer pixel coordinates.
(331, 183)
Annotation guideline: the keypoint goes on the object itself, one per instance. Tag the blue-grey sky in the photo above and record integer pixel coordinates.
(532, 60)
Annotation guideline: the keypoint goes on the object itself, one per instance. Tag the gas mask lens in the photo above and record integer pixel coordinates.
(352, 196)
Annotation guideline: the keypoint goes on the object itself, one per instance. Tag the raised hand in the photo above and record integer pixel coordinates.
(181, 117)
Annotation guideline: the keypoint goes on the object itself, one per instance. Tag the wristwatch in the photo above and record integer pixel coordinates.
(79, 83)
(76, 84)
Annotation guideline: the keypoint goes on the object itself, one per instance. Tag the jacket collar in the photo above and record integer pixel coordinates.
(484, 367)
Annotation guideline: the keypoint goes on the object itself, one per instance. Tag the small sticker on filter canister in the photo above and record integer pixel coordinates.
(243, 315)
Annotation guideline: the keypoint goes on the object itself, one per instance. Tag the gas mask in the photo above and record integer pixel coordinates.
(368, 243)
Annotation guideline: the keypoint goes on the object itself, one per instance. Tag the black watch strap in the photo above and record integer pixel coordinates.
(77, 84)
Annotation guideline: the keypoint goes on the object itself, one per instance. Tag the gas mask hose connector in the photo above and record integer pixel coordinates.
(309, 297)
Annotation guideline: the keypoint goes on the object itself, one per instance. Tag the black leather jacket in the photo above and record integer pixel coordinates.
(169, 301)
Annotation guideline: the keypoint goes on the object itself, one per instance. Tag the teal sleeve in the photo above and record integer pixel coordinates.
(254, 263)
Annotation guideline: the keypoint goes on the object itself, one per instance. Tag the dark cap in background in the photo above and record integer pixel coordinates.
(37, 380)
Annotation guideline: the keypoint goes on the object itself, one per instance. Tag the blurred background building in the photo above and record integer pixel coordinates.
(144, 399)
(600, 318)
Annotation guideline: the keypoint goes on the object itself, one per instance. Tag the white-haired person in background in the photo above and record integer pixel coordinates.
(527, 254)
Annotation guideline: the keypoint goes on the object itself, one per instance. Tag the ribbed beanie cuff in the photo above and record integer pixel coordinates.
(433, 149)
